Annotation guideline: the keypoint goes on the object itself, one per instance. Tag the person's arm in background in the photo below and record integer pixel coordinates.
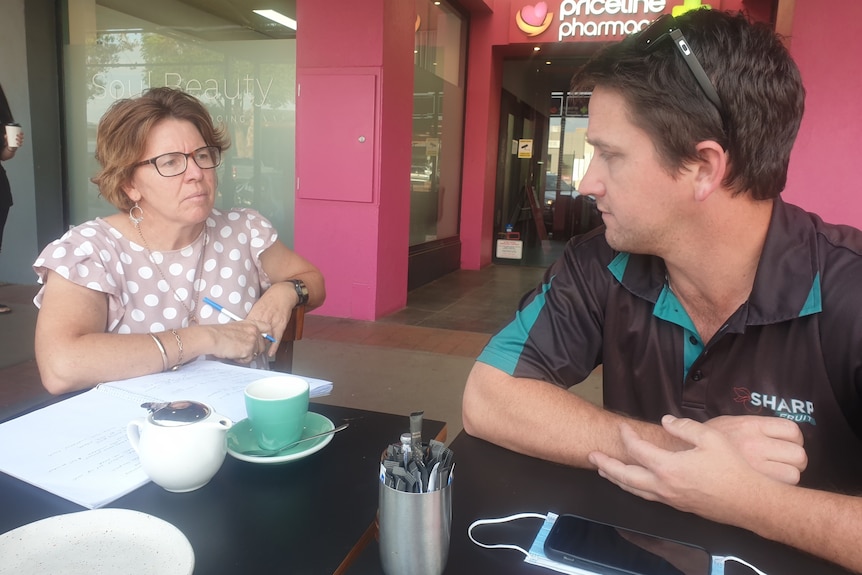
(713, 480)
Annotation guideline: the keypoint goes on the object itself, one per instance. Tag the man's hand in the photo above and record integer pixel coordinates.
(771, 445)
(706, 479)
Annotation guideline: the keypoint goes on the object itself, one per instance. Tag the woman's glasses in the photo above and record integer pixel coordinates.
(176, 163)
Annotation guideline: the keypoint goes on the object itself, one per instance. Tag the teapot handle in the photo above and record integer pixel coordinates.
(133, 431)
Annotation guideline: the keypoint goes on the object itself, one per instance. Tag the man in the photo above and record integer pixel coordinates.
(728, 323)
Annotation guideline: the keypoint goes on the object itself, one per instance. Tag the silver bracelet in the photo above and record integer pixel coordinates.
(162, 349)
(180, 347)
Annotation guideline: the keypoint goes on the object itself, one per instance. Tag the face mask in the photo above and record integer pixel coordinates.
(536, 554)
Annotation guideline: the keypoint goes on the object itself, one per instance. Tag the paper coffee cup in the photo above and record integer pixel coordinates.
(12, 131)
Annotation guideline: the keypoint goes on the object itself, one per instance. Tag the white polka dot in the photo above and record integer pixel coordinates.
(38, 263)
(157, 258)
(163, 286)
(233, 216)
(241, 280)
(119, 269)
(88, 232)
(86, 248)
(218, 247)
(125, 298)
(137, 315)
(124, 329)
(125, 258)
(145, 272)
(190, 275)
(200, 285)
(225, 232)
(115, 232)
(113, 325)
(187, 251)
(234, 297)
(182, 294)
(257, 242)
(133, 287)
(95, 286)
(169, 312)
(105, 255)
(234, 255)
(216, 291)
(157, 327)
(59, 253)
(242, 239)
(206, 312)
(255, 232)
(222, 318)
(63, 271)
(226, 273)
(151, 300)
(248, 305)
(247, 264)
(111, 281)
(210, 265)
(83, 271)
(252, 293)
(175, 270)
(136, 247)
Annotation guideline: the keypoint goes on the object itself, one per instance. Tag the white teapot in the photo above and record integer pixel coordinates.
(181, 444)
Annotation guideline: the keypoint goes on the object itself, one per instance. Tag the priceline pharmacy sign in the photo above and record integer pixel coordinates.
(579, 20)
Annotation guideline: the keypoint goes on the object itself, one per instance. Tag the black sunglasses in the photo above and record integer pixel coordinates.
(666, 27)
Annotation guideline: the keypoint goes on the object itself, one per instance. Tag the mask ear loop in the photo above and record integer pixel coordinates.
(479, 522)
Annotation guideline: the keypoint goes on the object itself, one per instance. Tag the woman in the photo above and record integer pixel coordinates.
(123, 296)
(7, 153)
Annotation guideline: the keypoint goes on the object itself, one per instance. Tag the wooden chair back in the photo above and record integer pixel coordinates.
(284, 356)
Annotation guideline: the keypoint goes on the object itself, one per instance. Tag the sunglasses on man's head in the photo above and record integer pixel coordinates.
(666, 27)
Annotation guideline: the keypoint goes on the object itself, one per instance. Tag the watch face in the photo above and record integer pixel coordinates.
(301, 291)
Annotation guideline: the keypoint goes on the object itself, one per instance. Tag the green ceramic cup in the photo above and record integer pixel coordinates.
(276, 408)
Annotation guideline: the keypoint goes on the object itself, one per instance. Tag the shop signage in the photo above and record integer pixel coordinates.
(586, 20)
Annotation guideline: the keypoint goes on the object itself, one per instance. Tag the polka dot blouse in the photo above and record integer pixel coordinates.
(97, 256)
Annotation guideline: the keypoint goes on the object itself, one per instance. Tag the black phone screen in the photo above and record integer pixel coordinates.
(589, 543)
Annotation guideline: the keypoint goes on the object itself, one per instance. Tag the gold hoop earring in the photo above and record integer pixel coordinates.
(136, 221)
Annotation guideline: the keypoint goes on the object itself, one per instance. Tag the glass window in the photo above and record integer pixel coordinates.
(438, 122)
(240, 65)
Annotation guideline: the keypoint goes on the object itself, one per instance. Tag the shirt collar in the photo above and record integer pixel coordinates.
(786, 284)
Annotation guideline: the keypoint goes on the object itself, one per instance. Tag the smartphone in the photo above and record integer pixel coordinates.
(617, 551)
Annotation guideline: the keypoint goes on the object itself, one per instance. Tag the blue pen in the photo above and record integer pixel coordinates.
(231, 315)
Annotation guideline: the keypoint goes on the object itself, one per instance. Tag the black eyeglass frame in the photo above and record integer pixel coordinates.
(192, 155)
(665, 26)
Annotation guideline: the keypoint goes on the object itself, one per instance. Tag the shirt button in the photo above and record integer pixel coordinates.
(697, 376)
(693, 340)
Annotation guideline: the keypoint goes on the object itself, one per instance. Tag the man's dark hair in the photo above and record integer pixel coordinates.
(757, 81)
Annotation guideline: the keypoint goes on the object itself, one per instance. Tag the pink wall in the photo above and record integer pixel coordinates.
(826, 45)
(353, 150)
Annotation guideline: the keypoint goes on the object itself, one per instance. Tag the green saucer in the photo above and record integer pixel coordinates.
(241, 438)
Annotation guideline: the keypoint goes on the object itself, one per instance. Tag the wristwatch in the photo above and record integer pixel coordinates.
(301, 291)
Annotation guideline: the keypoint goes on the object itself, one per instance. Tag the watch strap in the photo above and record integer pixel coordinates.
(301, 291)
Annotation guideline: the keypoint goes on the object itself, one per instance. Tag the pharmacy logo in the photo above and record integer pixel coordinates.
(533, 20)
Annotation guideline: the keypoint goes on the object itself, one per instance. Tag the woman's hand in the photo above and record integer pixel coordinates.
(273, 310)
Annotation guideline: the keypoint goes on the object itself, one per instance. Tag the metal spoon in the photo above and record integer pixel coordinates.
(269, 452)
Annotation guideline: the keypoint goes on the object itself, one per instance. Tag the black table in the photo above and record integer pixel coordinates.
(302, 517)
(494, 482)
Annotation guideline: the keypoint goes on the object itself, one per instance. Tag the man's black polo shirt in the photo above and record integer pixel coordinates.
(793, 350)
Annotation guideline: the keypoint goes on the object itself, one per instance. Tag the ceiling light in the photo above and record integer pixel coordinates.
(548, 62)
(277, 17)
(536, 48)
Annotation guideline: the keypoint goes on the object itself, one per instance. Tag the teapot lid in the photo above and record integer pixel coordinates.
(177, 413)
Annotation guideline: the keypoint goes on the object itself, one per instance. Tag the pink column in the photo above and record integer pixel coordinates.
(354, 69)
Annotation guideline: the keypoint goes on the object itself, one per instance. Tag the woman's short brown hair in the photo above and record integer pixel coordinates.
(125, 128)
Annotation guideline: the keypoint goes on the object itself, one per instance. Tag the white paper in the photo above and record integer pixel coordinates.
(77, 448)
